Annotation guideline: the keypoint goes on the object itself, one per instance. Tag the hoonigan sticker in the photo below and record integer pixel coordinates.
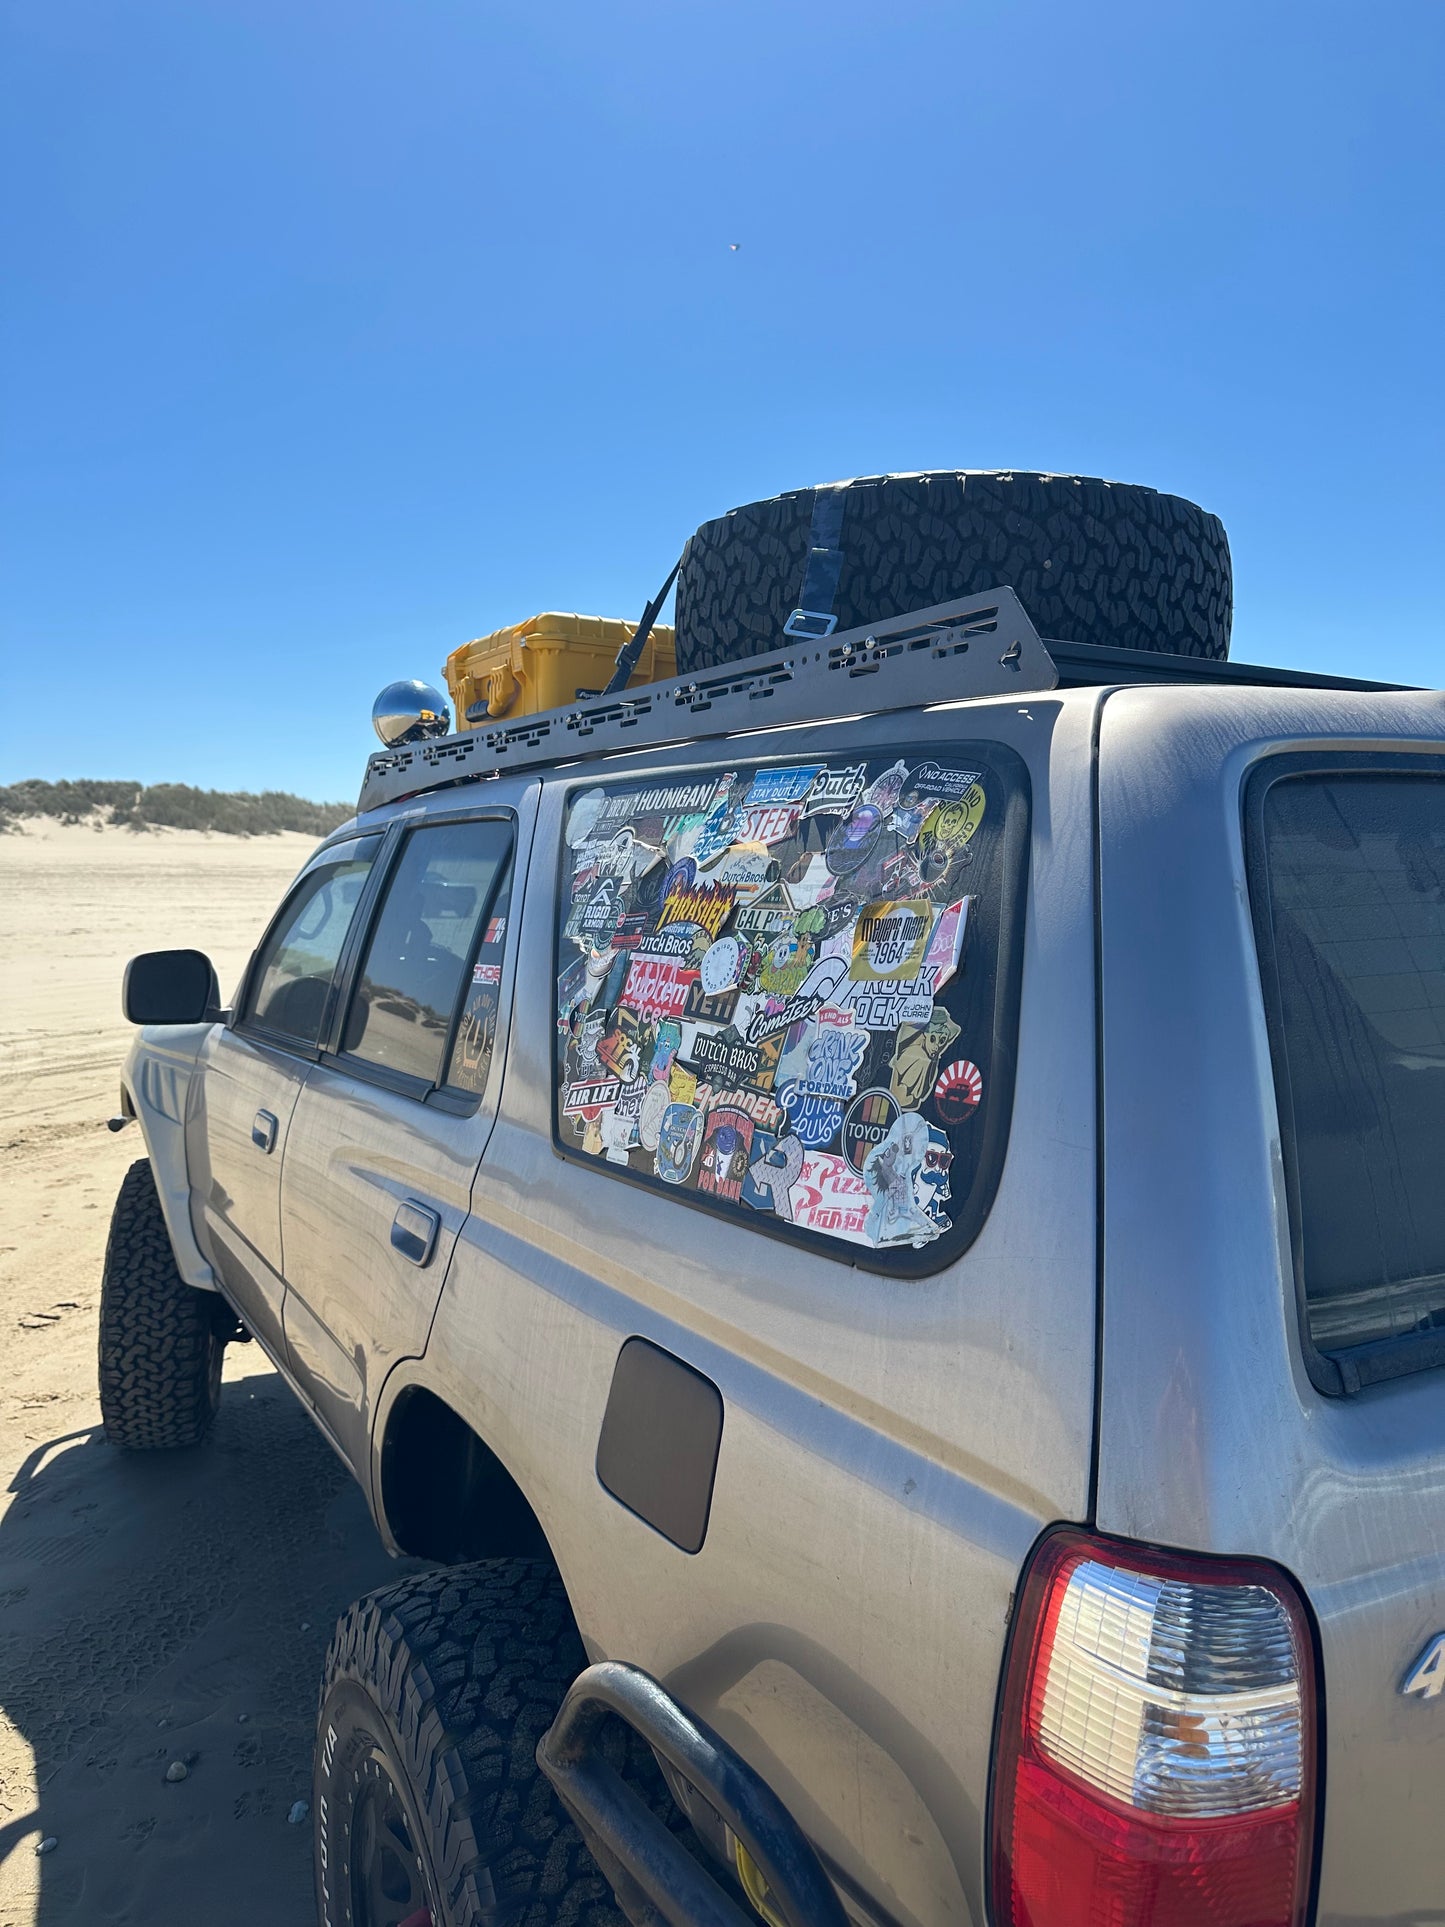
(775, 989)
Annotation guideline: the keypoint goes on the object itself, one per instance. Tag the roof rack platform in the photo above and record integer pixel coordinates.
(981, 645)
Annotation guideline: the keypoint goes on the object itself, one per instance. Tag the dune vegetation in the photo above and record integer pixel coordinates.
(150, 806)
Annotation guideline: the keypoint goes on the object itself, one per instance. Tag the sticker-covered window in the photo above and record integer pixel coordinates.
(787, 992)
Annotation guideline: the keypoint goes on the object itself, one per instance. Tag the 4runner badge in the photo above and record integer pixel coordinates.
(1427, 1676)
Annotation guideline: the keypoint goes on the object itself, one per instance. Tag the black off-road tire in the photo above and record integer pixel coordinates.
(442, 1686)
(161, 1348)
(1091, 561)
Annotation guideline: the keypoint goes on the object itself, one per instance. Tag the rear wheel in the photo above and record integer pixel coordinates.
(429, 1808)
(161, 1343)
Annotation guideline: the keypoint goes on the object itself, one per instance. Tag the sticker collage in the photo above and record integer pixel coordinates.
(759, 975)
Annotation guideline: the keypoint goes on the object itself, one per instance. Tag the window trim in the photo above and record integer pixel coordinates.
(242, 1022)
(1348, 1371)
(440, 1096)
(898, 1261)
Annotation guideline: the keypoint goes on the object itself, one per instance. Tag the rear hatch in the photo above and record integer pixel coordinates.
(1273, 1363)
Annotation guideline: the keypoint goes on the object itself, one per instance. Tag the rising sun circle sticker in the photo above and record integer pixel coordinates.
(958, 1090)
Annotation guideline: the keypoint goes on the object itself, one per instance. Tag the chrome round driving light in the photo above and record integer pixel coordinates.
(410, 712)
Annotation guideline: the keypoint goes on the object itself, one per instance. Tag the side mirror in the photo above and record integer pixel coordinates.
(170, 987)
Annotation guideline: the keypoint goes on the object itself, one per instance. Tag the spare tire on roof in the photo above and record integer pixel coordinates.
(1091, 561)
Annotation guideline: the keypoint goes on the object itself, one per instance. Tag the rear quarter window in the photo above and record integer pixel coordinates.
(787, 993)
(1348, 882)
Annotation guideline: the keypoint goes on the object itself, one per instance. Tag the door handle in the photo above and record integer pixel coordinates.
(414, 1231)
(263, 1132)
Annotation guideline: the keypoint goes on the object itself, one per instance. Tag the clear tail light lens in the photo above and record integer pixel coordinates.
(1155, 1763)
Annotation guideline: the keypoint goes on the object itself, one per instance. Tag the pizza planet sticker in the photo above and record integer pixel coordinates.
(890, 939)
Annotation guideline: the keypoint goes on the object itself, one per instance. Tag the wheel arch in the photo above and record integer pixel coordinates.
(439, 1488)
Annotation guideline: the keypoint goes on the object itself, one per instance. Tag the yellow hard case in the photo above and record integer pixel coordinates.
(546, 663)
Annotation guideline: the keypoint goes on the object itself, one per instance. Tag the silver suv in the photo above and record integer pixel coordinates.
(881, 1215)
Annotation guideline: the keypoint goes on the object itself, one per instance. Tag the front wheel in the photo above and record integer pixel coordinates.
(161, 1345)
(429, 1807)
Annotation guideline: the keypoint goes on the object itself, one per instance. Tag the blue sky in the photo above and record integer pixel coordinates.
(335, 334)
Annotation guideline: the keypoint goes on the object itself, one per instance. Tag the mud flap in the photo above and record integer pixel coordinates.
(657, 1882)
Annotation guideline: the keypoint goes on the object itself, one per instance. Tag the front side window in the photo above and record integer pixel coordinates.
(424, 947)
(787, 994)
(1350, 900)
(292, 978)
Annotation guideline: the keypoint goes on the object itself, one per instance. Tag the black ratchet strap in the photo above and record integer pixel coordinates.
(628, 654)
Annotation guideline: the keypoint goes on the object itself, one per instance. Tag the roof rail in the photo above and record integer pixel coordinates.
(1082, 664)
(982, 645)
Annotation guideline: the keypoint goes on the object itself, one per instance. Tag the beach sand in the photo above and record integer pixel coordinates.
(152, 1608)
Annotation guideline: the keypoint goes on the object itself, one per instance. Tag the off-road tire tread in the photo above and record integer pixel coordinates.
(1129, 567)
(159, 1351)
(469, 1666)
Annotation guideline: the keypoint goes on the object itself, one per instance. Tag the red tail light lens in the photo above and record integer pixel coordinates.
(1155, 1764)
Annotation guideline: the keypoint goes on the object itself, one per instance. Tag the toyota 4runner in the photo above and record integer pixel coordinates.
(879, 1213)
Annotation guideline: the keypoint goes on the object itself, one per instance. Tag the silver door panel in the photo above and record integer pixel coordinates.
(357, 1154)
(235, 1185)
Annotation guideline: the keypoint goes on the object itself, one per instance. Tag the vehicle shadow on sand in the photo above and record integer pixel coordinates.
(163, 1608)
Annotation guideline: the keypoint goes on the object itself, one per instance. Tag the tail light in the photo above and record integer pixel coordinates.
(1155, 1762)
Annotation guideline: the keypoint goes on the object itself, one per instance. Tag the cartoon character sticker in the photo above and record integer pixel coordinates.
(916, 1056)
(895, 1215)
(725, 1153)
(931, 1186)
(946, 834)
(666, 1044)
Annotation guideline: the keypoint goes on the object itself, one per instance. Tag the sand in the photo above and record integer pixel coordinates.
(151, 1609)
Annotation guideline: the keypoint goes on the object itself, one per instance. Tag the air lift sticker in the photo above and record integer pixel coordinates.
(763, 990)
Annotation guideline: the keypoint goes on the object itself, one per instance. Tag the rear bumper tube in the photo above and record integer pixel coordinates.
(657, 1881)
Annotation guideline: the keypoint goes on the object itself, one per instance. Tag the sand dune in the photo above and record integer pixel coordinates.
(150, 1609)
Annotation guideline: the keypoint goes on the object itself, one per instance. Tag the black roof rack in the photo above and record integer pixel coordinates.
(981, 645)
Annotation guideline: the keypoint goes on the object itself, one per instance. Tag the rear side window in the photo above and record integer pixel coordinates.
(1350, 899)
(292, 978)
(422, 950)
(788, 993)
